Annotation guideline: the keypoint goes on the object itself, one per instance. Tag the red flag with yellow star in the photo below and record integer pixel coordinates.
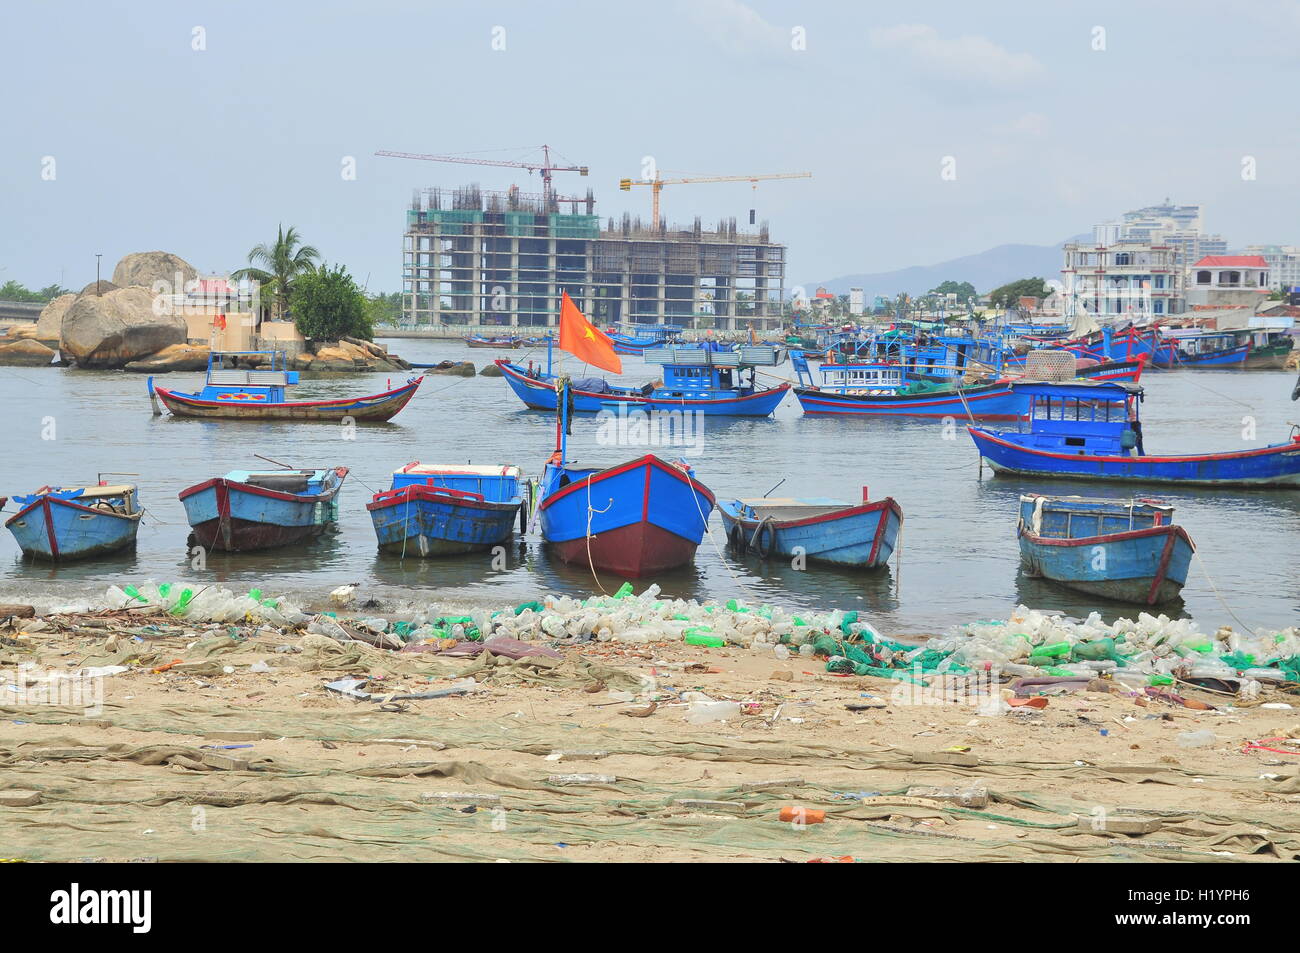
(584, 341)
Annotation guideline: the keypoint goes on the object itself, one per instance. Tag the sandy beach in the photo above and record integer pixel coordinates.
(221, 742)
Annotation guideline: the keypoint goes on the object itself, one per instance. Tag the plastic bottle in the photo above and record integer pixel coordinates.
(1196, 739)
(704, 713)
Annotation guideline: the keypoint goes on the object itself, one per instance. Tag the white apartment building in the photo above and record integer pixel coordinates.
(1122, 280)
(1283, 265)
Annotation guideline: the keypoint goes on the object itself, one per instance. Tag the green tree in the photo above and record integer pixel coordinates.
(1009, 294)
(384, 309)
(328, 305)
(14, 291)
(964, 290)
(282, 263)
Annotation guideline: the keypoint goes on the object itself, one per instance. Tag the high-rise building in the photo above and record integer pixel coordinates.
(475, 258)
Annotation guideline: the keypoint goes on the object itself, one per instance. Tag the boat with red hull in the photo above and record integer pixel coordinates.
(246, 510)
(250, 385)
(640, 518)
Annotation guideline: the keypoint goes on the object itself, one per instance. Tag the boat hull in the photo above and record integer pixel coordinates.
(374, 408)
(228, 516)
(421, 521)
(1273, 466)
(1146, 566)
(61, 530)
(1231, 357)
(539, 394)
(638, 519)
(1269, 357)
(862, 537)
(985, 402)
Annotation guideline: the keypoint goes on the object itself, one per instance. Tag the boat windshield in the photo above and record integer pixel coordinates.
(1070, 408)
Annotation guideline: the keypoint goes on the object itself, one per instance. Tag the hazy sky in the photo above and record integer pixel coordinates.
(1057, 116)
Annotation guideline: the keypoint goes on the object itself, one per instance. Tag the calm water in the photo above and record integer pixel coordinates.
(959, 558)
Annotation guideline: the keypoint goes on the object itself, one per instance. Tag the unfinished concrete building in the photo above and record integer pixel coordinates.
(476, 259)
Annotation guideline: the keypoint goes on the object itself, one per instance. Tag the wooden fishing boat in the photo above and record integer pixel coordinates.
(1091, 431)
(1212, 349)
(696, 379)
(250, 385)
(640, 518)
(859, 535)
(633, 338)
(444, 510)
(1269, 348)
(1126, 550)
(248, 510)
(497, 343)
(64, 523)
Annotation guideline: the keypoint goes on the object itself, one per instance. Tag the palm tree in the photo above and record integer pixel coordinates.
(281, 262)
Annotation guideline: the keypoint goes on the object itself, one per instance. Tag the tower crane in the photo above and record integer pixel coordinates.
(657, 184)
(545, 167)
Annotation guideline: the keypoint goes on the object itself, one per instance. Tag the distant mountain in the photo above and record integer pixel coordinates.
(986, 271)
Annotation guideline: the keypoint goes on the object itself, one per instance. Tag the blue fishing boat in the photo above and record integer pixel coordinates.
(886, 390)
(63, 523)
(1127, 550)
(636, 338)
(251, 385)
(444, 510)
(1195, 349)
(636, 519)
(716, 383)
(860, 535)
(1091, 431)
(247, 510)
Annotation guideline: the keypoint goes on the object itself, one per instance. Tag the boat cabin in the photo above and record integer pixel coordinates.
(248, 377)
(297, 482)
(1082, 417)
(863, 378)
(704, 374)
(498, 484)
(1077, 517)
(1202, 343)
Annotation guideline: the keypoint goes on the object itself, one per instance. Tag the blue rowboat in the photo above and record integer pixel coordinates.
(643, 517)
(1127, 550)
(250, 385)
(636, 338)
(706, 395)
(246, 510)
(823, 530)
(445, 510)
(1091, 431)
(61, 523)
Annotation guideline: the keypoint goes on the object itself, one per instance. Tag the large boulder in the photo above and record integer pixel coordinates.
(178, 357)
(49, 325)
(113, 329)
(143, 268)
(25, 354)
(101, 287)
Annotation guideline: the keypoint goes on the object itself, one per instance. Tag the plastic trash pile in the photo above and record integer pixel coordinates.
(1148, 651)
(204, 603)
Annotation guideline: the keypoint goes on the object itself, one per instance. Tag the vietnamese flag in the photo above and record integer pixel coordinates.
(581, 339)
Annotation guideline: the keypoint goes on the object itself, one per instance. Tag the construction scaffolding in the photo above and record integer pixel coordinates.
(474, 258)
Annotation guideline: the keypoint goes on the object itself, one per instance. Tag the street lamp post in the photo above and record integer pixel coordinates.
(98, 292)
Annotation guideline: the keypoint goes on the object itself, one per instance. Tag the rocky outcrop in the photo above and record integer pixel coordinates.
(49, 326)
(454, 368)
(143, 268)
(351, 354)
(101, 287)
(490, 370)
(25, 353)
(116, 328)
(178, 357)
